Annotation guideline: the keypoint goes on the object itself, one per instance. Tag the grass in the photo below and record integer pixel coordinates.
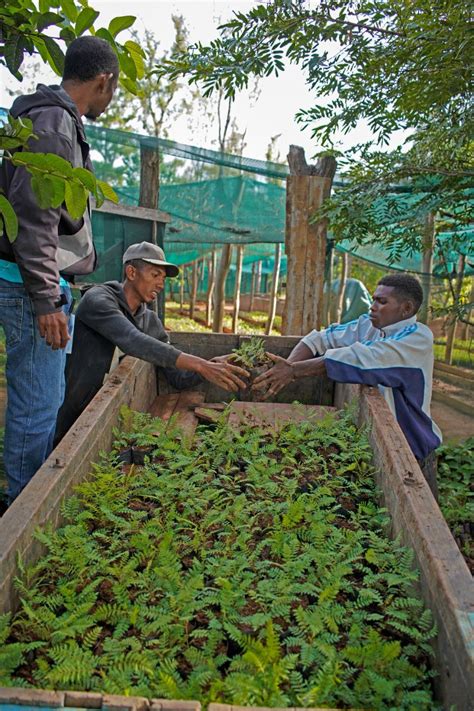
(463, 352)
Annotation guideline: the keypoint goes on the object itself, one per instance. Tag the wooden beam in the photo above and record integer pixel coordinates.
(305, 243)
(138, 213)
(219, 294)
(238, 281)
(274, 294)
(211, 281)
(429, 237)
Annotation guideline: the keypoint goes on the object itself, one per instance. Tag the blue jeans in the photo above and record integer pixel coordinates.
(35, 387)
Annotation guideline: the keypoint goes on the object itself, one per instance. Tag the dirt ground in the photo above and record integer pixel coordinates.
(455, 426)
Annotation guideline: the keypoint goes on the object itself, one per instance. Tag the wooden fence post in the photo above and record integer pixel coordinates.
(252, 287)
(305, 244)
(429, 237)
(194, 286)
(219, 294)
(238, 280)
(274, 294)
(149, 197)
(451, 335)
(342, 285)
(211, 280)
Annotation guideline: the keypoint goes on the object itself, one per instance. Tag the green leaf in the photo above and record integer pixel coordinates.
(43, 191)
(105, 34)
(44, 6)
(86, 19)
(55, 53)
(118, 24)
(86, 177)
(129, 85)
(127, 65)
(69, 9)
(67, 34)
(47, 19)
(13, 53)
(137, 57)
(107, 191)
(45, 162)
(9, 217)
(75, 196)
(57, 190)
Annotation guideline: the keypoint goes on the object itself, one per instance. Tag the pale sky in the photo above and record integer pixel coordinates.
(280, 97)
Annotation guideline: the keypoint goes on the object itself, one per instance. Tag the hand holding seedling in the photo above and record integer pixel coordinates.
(276, 378)
(225, 375)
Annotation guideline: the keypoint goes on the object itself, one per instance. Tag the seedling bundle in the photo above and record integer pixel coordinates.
(249, 567)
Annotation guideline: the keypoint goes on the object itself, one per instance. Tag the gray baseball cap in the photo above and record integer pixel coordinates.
(151, 253)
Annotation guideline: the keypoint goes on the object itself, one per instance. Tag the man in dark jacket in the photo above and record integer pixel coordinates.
(114, 315)
(50, 249)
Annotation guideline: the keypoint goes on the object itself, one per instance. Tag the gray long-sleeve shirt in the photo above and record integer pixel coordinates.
(104, 309)
(104, 321)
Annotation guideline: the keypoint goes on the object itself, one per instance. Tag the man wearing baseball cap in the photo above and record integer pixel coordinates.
(115, 315)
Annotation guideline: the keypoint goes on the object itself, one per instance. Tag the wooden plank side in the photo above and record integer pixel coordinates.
(132, 383)
(310, 391)
(446, 584)
(186, 417)
(273, 415)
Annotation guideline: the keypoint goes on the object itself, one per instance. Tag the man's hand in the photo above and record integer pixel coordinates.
(53, 328)
(276, 378)
(224, 375)
(227, 358)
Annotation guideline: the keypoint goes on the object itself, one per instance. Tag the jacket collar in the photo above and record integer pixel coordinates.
(398, 326)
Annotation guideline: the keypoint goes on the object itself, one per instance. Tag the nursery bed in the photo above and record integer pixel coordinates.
(446, 585)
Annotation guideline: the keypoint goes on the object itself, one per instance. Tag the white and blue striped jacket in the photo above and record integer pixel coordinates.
(398, 359)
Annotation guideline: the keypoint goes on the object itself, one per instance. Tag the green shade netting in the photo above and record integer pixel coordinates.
(215, 198)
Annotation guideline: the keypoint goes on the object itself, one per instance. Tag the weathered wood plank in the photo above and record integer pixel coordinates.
(446, 583)
(132, 383)
(271, 415)
(139, 213)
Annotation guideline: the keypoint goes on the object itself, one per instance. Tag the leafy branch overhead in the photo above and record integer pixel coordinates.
(27, 28)
(53, 179)
(23, 28)
(389, 65)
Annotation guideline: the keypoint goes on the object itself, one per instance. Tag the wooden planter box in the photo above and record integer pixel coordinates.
(445, 584)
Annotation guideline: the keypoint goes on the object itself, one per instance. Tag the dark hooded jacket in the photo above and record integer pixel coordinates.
(103, 322)
(49, 241)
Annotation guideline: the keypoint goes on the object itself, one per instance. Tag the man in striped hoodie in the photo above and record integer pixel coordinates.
(387, 348)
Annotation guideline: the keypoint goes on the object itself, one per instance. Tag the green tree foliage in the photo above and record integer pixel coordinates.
(25, 29)
(393, 64)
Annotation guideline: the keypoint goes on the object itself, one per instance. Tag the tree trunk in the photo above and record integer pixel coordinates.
(219, 296)
(238, 280)
(181, 288)
(149, 177)
(305, 243)
(194, 286)
(149, 197)
(465, 327)
(342, 285)
(448, 357)
(427, 266)
(211, 280)
(258, 278)
(328, 297)
(252, 286)
(274, 294)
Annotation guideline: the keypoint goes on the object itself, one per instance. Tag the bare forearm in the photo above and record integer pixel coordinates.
(185, 361)
(306, 368)
(300, 352)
